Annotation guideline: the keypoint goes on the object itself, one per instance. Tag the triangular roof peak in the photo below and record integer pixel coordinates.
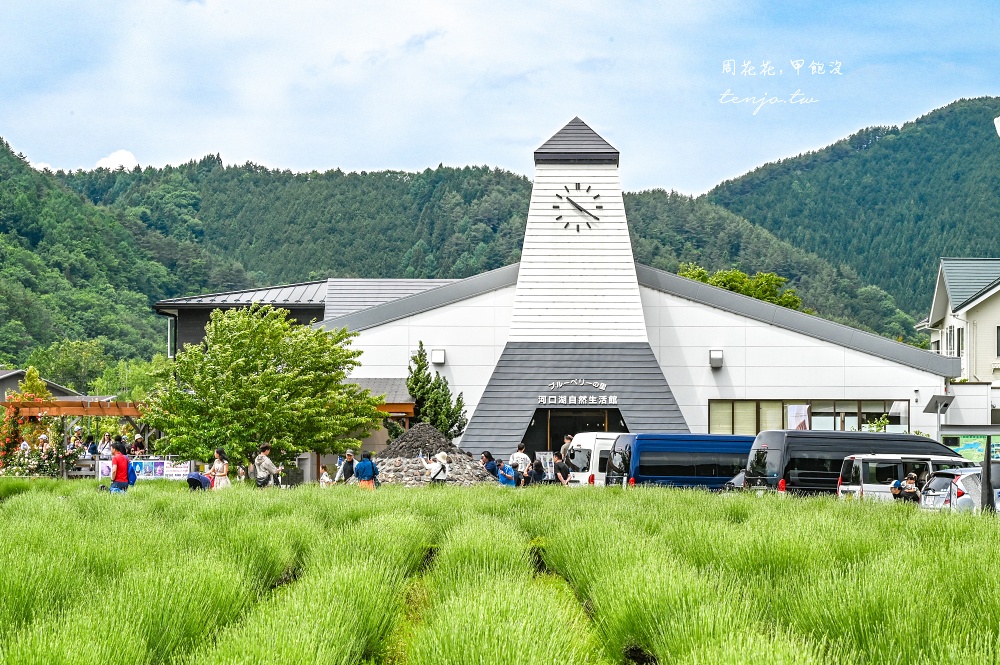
(576, 143)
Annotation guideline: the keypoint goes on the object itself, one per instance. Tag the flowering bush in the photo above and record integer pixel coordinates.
(40, 459)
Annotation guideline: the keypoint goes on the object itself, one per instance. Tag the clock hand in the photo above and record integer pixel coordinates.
(582, 209)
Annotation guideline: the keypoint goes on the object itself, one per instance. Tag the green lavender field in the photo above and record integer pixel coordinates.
(486, 575)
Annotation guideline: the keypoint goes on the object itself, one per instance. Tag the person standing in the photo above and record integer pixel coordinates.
(264, 468)
(505, 474)
(518, 476)
(104, 447)
(324, 477)
(220, 470)
(366, 471)
(346, 470)
(488, 463)
(119, 467)
(561, 469)
(567, 442)
(520, 458)
(438, 469)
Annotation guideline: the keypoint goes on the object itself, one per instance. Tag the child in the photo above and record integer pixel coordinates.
(324, 479)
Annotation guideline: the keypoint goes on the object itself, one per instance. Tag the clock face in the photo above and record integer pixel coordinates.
(578, 206)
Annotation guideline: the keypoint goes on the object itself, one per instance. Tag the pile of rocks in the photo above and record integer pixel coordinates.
(399, 464)
(421, 439)
(410, 471)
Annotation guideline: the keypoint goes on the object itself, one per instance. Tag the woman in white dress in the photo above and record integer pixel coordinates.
(220, 470)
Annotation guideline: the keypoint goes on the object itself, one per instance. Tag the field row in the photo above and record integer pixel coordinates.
(452, 575)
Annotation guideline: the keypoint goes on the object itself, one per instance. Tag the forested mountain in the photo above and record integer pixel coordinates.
(443, 222)
(888, 201)
(71, 270)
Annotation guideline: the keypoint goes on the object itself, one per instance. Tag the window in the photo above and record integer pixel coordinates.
(949, 341)
(998, 341)
(770, 416)
(936, 344)
(720, 417)
(961, 342)
(882, 473)
(727, 416)
(705, 465)
(745, 417)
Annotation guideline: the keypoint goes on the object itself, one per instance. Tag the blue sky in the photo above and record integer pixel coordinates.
(389, 85)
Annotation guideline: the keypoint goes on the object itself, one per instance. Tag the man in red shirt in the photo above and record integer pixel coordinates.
(119, 467)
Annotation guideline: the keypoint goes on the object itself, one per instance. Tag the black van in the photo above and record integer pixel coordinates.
(809, 461)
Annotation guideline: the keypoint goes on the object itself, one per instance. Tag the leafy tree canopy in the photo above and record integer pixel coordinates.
(888, 201)
(764, 286)
(259, 378)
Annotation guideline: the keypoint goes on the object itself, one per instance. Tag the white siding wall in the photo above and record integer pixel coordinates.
(472, 332)
(577, 285)
(762, 361)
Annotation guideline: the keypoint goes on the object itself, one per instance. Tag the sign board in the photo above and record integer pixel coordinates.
(545, 458)
(150, 469)
(972, 446)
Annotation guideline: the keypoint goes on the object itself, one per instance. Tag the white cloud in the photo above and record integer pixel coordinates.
(116, 159)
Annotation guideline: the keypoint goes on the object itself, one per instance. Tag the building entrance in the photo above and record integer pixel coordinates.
(549, 426)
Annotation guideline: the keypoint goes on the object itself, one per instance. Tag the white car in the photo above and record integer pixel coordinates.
(957, 489)
(587, 457)
(873, 476)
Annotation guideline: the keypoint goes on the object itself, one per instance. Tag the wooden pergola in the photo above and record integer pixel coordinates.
(76, 407)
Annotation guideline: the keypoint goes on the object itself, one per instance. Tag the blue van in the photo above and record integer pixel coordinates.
(681, 460)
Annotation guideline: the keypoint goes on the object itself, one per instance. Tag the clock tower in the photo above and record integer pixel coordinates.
(577, 356)
(577, 277)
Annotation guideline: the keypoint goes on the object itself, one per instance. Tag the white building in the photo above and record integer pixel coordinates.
(964, 324)
(578, 337)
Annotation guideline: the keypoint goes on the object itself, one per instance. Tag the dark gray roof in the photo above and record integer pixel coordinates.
(394, 389)
(304, 294)
(525, 370)
(11, 375)
(426, 300)
(659, 280)
(344, 296)
(799, 322)
(576, 143)
(968, 279)
(337, 296)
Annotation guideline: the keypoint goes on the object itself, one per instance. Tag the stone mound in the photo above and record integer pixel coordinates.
(423, 439)
(410, 472)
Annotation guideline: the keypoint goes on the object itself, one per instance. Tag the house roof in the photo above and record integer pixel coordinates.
(303, 294)
(344, 296)
(394, 389)
(19, 374)
(966, 280)
(659, 280)
(576, 143)
(337, 296)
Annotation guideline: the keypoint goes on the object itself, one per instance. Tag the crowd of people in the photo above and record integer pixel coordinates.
(87, 447)
(518, 471)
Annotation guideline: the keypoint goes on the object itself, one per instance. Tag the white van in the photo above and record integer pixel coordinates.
(587, 457)
(872, 476)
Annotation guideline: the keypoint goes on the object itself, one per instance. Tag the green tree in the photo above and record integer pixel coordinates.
(256, 378)
(433, 401)
(32, 386)
(765, 286)
(130, 380)
(71, 363)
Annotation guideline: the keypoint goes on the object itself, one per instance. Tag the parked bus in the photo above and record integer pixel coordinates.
(682, 460)
(810, 461)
